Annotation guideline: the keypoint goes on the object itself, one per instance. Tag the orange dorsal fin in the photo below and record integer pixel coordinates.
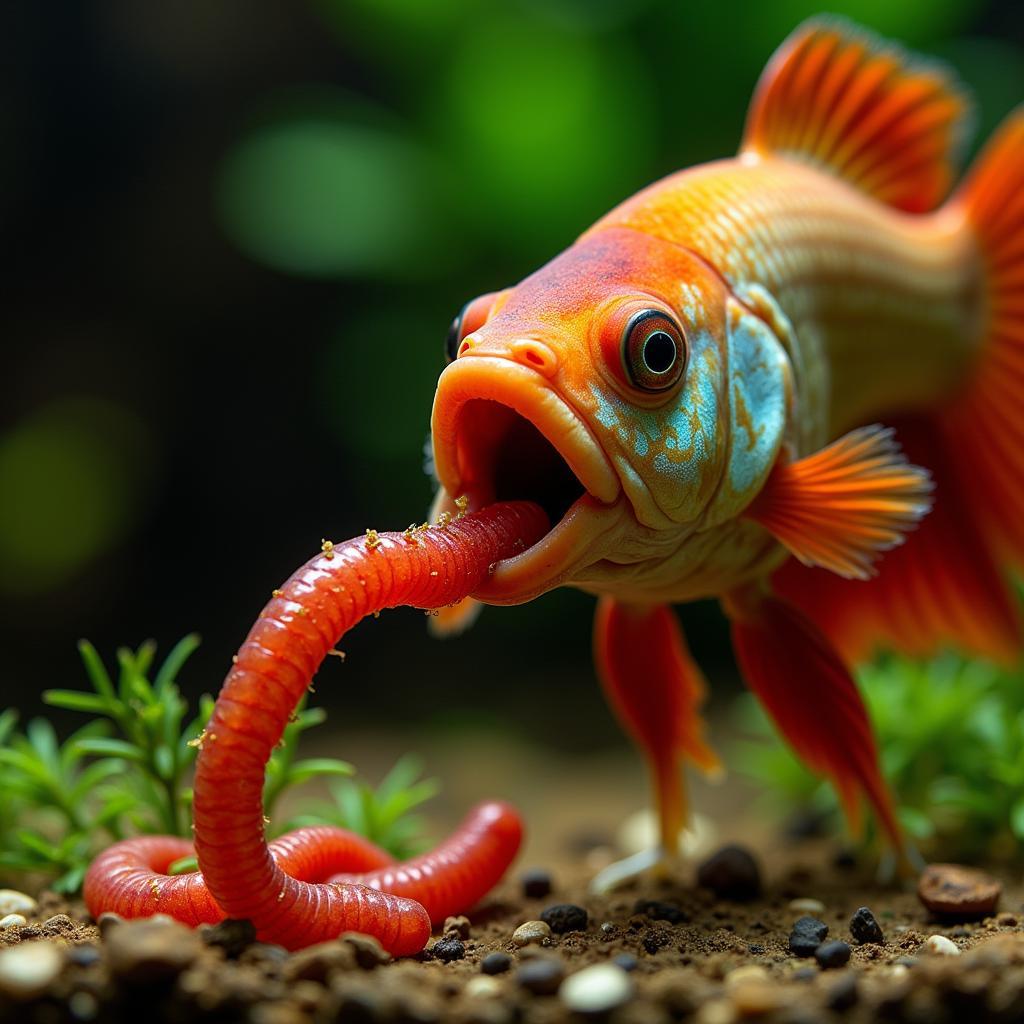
(883, 120)
(840, 508)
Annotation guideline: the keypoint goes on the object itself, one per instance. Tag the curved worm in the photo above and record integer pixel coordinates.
(131, 877)
(244, 877)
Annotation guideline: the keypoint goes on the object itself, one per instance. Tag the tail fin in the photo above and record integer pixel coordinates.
(985, 426)
(947, 584)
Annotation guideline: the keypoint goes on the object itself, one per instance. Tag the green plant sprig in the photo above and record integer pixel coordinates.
(128, 772)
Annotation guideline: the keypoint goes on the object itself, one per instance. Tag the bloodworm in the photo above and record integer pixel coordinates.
(278, 886)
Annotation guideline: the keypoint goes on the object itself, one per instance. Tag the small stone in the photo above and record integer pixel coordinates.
(941, 945)
(13, 921)
(536, 883)
(832, 954)
(14, 902)
(496, 963)
(608, 928)
(456, 926)
(28, 970)
(748, 972)
(232, 936)
(660, 910)
(596, 990)
(626, 961)
(482, 987)
(864, 928)
(565, 917)
(732, 872)
(108, 921)
(950, 890)
(805, 905)
(151, 950)
(448, 948)
(541, 976)
(83, 955)
(752, 998)
(807, 935)
(530, 932)
(844, 993)
(367, 952)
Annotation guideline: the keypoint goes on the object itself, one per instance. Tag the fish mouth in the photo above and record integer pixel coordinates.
(502, 433)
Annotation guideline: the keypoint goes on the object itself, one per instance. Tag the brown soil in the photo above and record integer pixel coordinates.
(683, 971)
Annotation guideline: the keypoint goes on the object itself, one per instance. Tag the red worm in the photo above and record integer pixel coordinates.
(131, 876)
(426, 569)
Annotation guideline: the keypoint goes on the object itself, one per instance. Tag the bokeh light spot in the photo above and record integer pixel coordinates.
(72, 477)
(317, 196)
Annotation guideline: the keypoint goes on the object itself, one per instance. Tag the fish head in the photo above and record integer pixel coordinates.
(601, 388)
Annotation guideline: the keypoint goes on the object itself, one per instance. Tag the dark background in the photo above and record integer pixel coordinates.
(235, 234)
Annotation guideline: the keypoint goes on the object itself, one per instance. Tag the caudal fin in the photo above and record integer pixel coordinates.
(985, 426)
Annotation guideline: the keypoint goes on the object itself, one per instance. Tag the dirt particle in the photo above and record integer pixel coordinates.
(941, 945)
(807, 935)
(151, 950)
(954, 891)
(234, 937)
(448, 948)
(731, 872)
(456, 926)
(565, 917)
(596, 990)
(536, 883)
(531, 932)
(496, 963)
(832, 954)
(865, 928)
(14, 902)
(28, 970)
(541, 976)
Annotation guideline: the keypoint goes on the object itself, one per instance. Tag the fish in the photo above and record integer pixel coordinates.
(791, 381)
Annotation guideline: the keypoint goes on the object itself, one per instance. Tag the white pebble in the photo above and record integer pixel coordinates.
(597, 989)
(805, 905)
(483, 987)
(940, 944)
(531, 931)
(748, 972)
(13, 921)
(26, 971)
(14, 902)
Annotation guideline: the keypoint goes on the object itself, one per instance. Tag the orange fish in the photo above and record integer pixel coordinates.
(695, 391)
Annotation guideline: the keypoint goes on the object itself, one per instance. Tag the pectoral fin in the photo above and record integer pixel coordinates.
(840, 508)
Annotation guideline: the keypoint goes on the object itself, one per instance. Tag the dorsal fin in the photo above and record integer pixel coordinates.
(883, 120)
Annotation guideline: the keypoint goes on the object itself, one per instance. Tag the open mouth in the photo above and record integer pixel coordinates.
(501, 433)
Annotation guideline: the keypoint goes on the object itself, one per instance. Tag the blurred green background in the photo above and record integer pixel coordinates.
(236, 234)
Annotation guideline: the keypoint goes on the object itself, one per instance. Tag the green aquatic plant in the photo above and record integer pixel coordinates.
(951, 739)
(128, 772)
(385, 814)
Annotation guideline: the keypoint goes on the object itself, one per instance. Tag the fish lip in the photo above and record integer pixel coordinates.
(530, 395)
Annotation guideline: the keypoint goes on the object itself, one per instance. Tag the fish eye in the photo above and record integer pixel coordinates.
(471, 317)
(653, 350)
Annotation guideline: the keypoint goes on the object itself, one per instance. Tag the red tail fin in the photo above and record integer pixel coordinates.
(985, 428)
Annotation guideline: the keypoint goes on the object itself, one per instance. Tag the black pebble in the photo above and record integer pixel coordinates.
(832, 954)
(843, 994)
(659, 910)
(626, 961)
(732, 872)
(448, 949)
(864, 927)
(756, 949)
(233, 936)
(496, 963)
(541, 976)
(565, 917)
(536, 883)
(807, 935)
